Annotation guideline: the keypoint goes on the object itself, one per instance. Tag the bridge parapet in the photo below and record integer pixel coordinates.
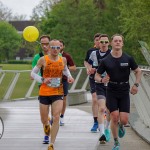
(77, 91)
(140, 118)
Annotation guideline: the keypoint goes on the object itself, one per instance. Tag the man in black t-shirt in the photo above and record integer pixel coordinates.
(94, 61)
(92, 83)
(117, 65)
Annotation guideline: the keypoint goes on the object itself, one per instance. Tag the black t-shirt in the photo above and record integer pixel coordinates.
(89, 53)
(118, 69)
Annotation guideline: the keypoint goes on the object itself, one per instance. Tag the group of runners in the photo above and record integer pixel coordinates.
(108, 71)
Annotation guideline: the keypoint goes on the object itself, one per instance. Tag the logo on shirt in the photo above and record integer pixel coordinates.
(124, 64)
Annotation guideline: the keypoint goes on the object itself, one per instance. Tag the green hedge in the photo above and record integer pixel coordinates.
(17, 62)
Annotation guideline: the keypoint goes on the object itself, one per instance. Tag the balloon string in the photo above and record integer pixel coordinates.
(38, 42)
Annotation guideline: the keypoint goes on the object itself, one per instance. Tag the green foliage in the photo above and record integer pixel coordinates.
(10, 41)
(16, 66)
(77, 21)
(134, 16)
(5, 84)
(19, 62)
(73, 22)
(24, 79)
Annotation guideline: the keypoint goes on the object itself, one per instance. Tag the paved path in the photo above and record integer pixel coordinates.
(23, 129)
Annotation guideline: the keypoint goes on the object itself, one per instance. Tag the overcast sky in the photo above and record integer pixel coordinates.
(21, 6)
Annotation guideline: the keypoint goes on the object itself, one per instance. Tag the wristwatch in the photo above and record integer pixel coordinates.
(136, 84)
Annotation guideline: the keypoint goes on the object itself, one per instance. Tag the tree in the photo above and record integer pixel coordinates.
(18, 17)
(7, 15)
(135, 19)
(42, 8)
(135, 25)
(72, 21)
(10, 41)
(5, 12)
(76, 21)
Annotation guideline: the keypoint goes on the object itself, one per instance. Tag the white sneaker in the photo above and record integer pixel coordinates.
(62, 121)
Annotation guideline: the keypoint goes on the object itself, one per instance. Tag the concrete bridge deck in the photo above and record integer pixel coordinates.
(23, 129)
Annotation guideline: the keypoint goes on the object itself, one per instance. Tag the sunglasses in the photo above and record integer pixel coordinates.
(104, 42)
(44, 44)
(55, 47)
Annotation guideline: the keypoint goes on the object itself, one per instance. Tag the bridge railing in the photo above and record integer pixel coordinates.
(142, 98)
(14, 83)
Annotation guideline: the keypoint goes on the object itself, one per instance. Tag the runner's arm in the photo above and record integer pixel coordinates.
(36, 69)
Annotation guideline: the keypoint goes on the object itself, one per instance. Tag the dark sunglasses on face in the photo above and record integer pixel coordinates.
(55, 47)
(44, 44)
(104, 42)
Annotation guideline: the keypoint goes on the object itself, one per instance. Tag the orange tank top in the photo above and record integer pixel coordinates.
(53, 69)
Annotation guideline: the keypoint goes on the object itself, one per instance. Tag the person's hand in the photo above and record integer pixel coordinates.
(70, 79)
(88, 71)
(134, 90)
(105, 79)
(47, 80)
(91, 71)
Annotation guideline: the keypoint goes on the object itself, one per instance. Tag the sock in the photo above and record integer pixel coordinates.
(61, 116)
(95, 119)
(121, 125)
(115, 139)
(101, 128)
(107, 124)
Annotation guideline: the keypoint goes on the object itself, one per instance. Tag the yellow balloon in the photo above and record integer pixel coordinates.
(30, 33)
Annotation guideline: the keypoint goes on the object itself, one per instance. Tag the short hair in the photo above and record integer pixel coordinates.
(54, 40)
(61, 41)
(103, 35)
(117, 35)
(45, 36)
(97, 35)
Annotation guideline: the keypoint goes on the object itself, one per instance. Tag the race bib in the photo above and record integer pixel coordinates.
(55, 82)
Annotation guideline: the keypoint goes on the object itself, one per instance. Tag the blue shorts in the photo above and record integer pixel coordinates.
(48, 100)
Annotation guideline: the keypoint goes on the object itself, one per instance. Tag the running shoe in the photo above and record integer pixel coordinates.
(95, 127)
(121, 130)
(116, 146)
(62, 121)
(107, 134)
(51, 147)
(47, 129)
(46, 140)
(102, 139)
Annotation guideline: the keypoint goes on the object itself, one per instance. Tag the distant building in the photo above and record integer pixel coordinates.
(20, 25)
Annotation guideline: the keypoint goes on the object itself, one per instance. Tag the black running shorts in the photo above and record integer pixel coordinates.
(48, 100)
(65, 87)
(100, 90)
(92, 85)
(118, 101)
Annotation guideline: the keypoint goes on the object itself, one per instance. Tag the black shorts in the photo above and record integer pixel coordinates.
(100, 90)
(48, 100)
(118, 101)
(65, 87)
(92, 85)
